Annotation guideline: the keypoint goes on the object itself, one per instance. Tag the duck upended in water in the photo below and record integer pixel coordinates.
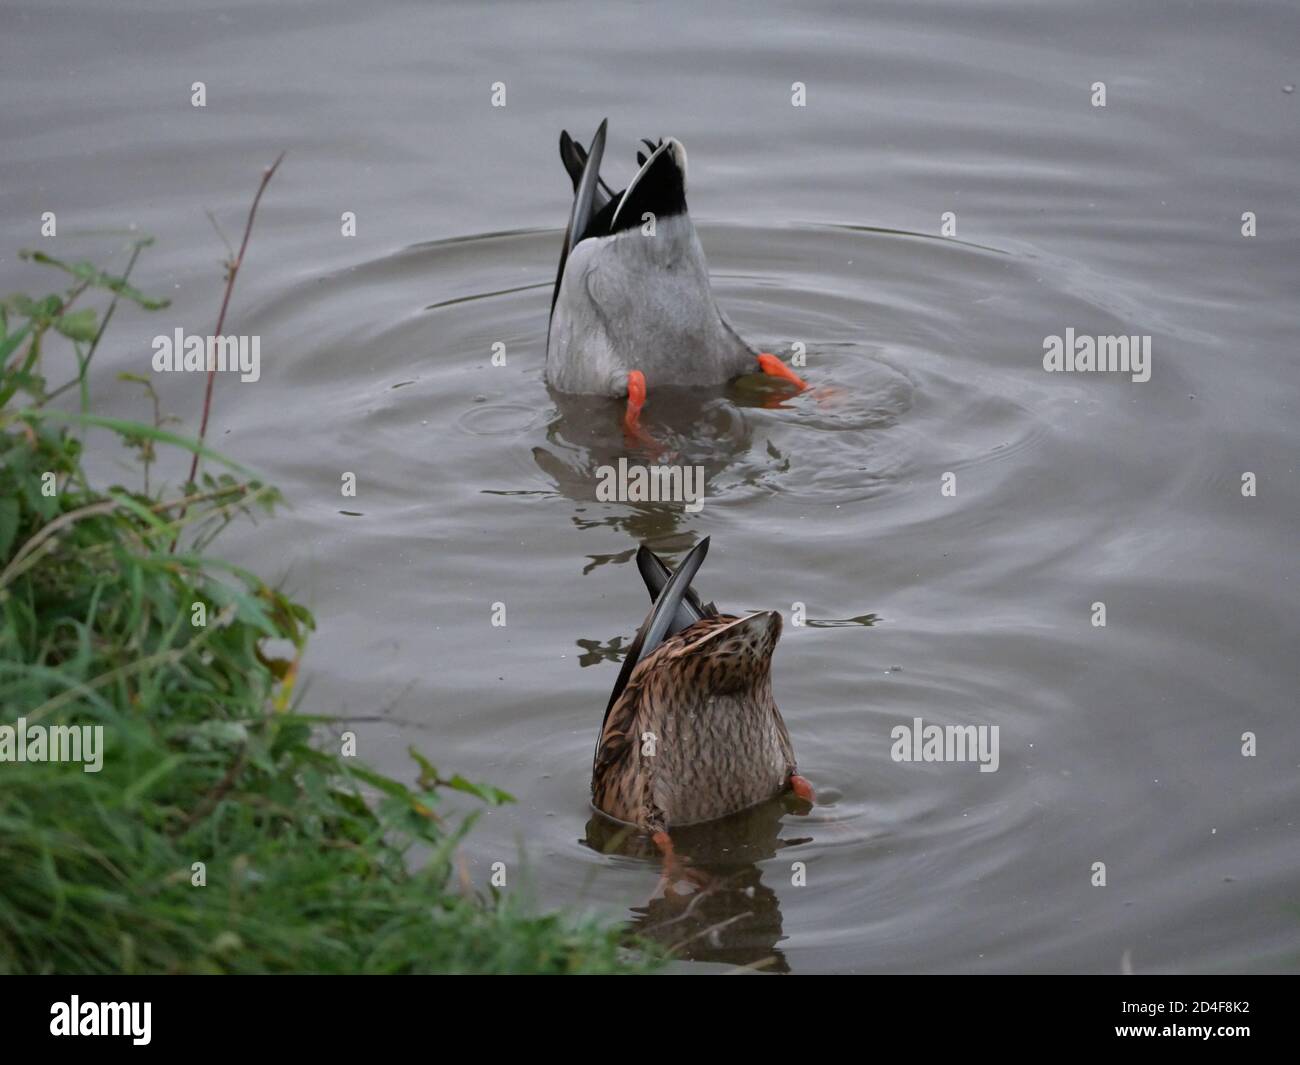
(632, 304)
(691, 732)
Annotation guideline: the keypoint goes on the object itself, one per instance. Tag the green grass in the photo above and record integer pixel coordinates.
(115, 611)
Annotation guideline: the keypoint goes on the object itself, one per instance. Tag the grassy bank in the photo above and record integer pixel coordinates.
(226, 831)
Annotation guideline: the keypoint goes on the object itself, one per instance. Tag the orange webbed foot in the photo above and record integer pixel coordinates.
(774, 367)
(803, 788)
(632, 431)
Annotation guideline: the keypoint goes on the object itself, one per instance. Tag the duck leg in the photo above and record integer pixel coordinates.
(635, 401)
(774, 367)
(632, 431)
(675, 870)
(664, 842)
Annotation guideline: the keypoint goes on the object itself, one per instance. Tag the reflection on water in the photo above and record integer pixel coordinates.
(822, 229)
(695, 428)
(958, 609)
(720, 909)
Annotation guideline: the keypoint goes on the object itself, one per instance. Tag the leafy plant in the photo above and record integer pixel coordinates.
(222, 834)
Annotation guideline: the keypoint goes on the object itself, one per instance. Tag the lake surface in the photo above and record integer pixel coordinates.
(1120, 744)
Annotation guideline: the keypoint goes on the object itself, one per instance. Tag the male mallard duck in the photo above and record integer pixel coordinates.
(691, 732)
(632, 302)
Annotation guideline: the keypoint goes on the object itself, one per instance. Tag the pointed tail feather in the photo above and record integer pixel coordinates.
(655, 627)
(574, 157)
(584, 199)
(626, 197)
(655, 573)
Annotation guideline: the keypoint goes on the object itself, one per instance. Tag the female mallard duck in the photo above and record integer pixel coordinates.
(691, 732)
(632, 301)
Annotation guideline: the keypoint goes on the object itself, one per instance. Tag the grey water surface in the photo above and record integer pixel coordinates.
(1120, 744)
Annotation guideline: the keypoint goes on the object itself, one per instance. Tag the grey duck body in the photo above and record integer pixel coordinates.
(631, 295)
(634, 302)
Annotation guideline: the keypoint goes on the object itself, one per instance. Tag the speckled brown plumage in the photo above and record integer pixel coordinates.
(696, 734)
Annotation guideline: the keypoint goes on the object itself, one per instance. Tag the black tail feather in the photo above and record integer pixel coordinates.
(655, 573)
(574, 157)
(584, 198)
(655, 627)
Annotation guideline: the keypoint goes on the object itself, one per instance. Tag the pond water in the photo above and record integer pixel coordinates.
(823, 225)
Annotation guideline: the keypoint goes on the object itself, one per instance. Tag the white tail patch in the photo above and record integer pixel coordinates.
(679, 154)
